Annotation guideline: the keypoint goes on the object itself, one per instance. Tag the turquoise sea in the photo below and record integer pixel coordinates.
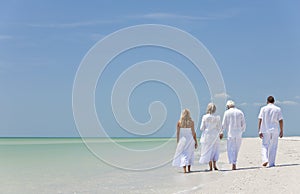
(66, 165)
(96, 165)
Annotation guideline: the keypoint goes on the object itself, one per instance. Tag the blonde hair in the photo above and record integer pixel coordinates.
(185, 119)
(211, 108)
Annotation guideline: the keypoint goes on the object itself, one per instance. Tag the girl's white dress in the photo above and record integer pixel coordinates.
(211, 128)
(184, 154)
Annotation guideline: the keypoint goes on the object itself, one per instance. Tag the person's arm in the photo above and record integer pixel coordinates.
(243, 123)
(281, 128)
(259, 125)
(178, 131)
(224, 123)
(202, 126)
(220, 127)
(280, 118)
(260, 116)
(194, 135)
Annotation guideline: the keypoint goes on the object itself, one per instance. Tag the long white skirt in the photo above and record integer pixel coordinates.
(209, 147)
(184, 154)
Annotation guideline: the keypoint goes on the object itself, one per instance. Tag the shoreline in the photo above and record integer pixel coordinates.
(71, 168)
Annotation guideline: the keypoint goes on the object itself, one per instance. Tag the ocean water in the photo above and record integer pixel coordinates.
(67, 165)
(38, 165)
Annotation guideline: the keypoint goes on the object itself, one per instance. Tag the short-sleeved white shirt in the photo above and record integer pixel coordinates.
(270, 115)
(234, 122)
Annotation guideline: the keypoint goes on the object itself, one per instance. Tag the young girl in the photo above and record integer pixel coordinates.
(186, 142)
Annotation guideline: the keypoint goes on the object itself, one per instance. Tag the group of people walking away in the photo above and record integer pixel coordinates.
(269, 122)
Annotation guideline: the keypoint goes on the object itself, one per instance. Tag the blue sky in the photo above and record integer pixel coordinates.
(255, 43)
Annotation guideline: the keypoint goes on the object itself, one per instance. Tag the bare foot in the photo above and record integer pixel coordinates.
(189, 168)
(265, 164)
(215, 165)
(233, 167)
(210, 166)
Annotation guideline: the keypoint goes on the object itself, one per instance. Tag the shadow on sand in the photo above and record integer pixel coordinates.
(286, 165)
(206, 170)
(259, 167)
(243, 168)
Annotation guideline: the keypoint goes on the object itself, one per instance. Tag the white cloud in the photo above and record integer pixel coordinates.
(297, 97)
(159, 15)
(243, 104)
(286, 102)
(171, 16)
(222, 95)
(72, 24)
(258, 104)
(5, 37)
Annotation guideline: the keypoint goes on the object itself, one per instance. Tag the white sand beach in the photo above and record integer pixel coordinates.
(73, 169)
(250, 177)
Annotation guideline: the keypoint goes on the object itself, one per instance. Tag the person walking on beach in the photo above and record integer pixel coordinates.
(269, 118)
(186, 142)
(234, 123)
(211, 134)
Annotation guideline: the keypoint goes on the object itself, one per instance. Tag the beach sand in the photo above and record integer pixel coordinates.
(250, 177)
(75, 170)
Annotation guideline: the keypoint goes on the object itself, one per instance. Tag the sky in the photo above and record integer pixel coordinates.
(256, 45)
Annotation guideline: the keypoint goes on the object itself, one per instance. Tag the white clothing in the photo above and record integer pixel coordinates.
(234, 122)
(233, 147)
(211, 127)
(269, 148)
(270, 116)
(184, 154)
(209, 152)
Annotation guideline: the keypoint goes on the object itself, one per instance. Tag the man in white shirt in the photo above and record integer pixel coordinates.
(234, 123)
(269, 118)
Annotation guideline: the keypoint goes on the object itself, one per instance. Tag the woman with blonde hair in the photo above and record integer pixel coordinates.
(211, 134)
(186, 142)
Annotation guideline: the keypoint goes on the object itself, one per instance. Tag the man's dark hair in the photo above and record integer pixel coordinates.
(271, 99)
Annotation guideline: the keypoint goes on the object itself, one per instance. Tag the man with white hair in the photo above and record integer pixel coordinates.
(269, 118)
(234, 123)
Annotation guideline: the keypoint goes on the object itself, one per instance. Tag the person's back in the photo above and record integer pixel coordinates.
(211, 122)
(210, 137)
(186, 132)
(270, 115)
(234, 122)
(269, 122)
(186, 142)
